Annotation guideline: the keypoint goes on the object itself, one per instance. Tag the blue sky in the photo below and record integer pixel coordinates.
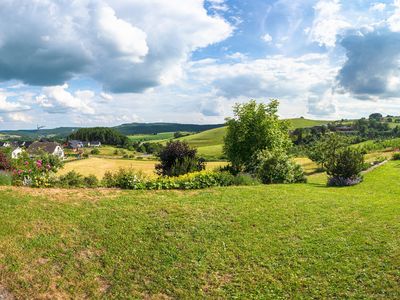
(107, 62)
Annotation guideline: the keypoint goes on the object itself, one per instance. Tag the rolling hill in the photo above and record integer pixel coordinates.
(209, 143)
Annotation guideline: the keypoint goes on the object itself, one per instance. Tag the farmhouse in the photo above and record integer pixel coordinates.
(5, 144)
(47, 147)
(95, 144)
(16, 152)
(75, 144)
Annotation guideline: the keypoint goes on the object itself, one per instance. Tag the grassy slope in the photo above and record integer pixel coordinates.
(209, 143)
(279, 241)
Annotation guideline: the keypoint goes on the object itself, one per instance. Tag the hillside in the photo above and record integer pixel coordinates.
(209, 143)
(299, 241)
(154, 128)
(127, 129)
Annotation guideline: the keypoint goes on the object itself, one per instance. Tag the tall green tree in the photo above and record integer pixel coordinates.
(255, 127)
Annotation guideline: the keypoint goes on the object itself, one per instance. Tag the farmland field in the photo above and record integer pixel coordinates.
(299, 241)
(151, 137)
(98, 166)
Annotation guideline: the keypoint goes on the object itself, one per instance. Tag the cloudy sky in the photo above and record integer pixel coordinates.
(107, 62)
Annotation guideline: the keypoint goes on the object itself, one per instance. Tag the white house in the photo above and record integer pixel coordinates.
(16, 152)
(47, 147)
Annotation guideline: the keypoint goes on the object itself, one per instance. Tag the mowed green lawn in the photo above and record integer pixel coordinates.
(99, 166)
(302, 241)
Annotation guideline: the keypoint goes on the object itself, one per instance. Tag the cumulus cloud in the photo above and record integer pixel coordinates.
(328, 22)
(57, 99)
(372, 66)
(7, 106)
(274, 76)
(267, 38)
(128, 46)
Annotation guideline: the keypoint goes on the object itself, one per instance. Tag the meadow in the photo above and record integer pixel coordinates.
(299, 241)
(98, 166)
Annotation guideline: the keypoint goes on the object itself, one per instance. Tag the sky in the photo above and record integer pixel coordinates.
(108, 62)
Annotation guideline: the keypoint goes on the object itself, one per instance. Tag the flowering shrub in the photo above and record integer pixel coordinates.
(130, 179)
(5, 162)
(36, 171)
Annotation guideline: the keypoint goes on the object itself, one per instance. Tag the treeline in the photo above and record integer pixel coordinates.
(104, 135)
(154, 128)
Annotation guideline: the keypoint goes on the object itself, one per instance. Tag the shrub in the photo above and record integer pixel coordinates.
(95, 151)
(5, 161)
(245, 179)
(344, 167)
(178, 158)
(396, 156)
(108, 180)
(278, 168)
(35, 172)
(5, 178)
(129, 179)
(91, 181)
(71, 179)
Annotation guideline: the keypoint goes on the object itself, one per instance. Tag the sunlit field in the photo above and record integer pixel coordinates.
(99, 166)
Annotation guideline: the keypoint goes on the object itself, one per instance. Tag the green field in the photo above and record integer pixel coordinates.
(209, 143)
(159, 137)
(98, 166)
(300, 241)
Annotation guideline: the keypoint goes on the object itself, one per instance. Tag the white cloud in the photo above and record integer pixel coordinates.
(126, 45)
(20, 117)
(8, 106)
(57, 99)
(394, 20)
(378, 6)
(328, 22)
(267, 38)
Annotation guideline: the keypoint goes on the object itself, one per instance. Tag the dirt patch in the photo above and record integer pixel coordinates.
(4, 294)
(66, 195)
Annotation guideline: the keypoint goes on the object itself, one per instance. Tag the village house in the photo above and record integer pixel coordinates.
(75, 144)
(47, 147)
(16, 152)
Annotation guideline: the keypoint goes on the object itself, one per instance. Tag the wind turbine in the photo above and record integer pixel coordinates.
(38, 129)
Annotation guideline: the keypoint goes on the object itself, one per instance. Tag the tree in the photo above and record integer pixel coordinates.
(326, 147)
(178, 158)
(376, 116)
(255, 127)
(344, 167)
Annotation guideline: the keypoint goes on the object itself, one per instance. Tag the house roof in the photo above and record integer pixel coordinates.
(48, 147)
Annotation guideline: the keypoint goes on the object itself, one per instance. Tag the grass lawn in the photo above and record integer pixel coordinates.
(98, 166)
(301, 241)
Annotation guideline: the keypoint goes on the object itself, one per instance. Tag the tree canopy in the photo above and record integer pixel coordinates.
(104, 135)
(255, 127)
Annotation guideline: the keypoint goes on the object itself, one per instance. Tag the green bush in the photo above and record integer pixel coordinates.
(91, 181)
(108, 180)
(278, 168)
(71, 179)
(5, 179)
(131, 179)
(95, 151)
(344, 167)
(396, 156)
(245, 179)
(35, 172)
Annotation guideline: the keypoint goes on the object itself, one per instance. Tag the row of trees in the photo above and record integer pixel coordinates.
(104, 135)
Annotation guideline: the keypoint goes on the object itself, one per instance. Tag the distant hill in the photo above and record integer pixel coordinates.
(127, 129)
(153, 128)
